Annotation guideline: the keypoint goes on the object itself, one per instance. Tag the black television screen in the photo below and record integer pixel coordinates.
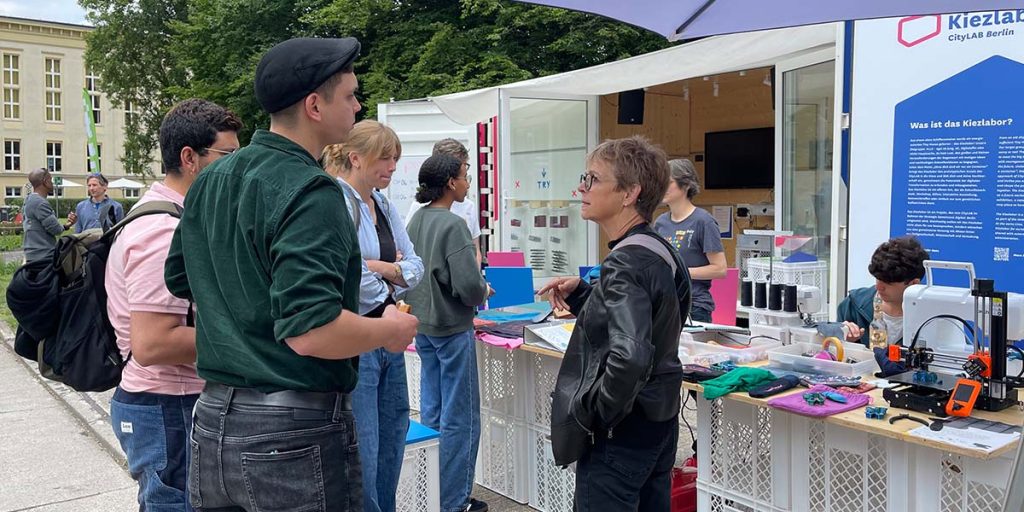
(740, 159)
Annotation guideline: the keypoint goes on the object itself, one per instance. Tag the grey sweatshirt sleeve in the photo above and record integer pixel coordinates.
(467, 282)
(46, 219)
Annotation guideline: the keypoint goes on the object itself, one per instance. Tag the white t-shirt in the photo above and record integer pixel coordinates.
(465, 209)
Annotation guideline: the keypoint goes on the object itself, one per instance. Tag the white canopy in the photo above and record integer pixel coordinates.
(713, 55)
(66, 183)
(125, 183)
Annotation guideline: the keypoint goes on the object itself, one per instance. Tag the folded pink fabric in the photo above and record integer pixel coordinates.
(795, 402)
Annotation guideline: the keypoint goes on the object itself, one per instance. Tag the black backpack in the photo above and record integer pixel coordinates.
(83, 352)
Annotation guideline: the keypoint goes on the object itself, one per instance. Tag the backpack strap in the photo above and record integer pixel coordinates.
(650, 243)
(143, 209)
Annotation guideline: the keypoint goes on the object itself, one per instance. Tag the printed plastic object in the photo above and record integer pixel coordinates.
(814, 398)
(684, 490)
(875, 413)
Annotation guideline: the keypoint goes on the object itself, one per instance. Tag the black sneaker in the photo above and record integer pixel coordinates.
(476, 505)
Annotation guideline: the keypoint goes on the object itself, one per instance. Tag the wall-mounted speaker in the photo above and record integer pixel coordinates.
(631, 107)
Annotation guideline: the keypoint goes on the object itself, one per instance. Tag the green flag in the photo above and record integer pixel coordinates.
(90, 133)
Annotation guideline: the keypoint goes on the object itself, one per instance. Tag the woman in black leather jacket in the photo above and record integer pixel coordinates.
(617, 393)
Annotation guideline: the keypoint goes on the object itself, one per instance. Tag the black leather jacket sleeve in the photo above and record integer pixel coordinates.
(578, 297)
(630, 351)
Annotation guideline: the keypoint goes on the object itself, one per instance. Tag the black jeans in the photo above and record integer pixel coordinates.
(632, 471)
(273, 458)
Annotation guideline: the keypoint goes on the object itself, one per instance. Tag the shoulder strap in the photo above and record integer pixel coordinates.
(651, 244)
(147, 208)
(353, 205)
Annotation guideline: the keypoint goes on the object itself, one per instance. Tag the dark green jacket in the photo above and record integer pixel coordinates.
(858, 307)
(267, 251)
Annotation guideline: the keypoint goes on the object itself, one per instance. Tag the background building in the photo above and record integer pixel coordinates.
(42, 123)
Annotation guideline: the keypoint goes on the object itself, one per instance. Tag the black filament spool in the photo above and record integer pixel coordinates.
(746, 293)
(760, 294)
(775, 296)
(789, 299)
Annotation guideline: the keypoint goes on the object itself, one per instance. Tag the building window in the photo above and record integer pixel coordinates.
(59, 191)
(54, 155)
(99, 158)
(130, 114)
(12, 155)
(131, 193)
(12, 83)
(53, 98)
(92, 84)
(10, 192)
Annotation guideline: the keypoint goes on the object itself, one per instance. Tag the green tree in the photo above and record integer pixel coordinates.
(129, 48)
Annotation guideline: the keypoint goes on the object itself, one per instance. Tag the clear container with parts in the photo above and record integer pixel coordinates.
(738, 348)
(857, 359)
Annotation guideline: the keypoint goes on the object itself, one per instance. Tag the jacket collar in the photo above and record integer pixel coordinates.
(282, 143)
(639, 228)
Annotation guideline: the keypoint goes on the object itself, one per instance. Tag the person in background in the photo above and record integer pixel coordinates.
(363, 165)
(616, 399)
(695, 234)
(465, 208)
(39, 223)
(445, 303)
(151, 410)
(271, 259)
(98, 210)
(896, 264)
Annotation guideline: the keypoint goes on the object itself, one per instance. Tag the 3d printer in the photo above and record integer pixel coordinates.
(943, 378)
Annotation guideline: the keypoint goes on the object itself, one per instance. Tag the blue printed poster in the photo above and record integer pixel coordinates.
(958, 171)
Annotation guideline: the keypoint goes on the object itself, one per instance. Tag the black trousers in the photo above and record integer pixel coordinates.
(631, 471)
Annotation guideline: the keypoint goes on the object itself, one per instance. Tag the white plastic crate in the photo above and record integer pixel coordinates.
(412, 377)
(419, 486)
(791, 357)
(746, 454)
(810, 273)
(502, 381)
(551, 487)
(502, 462)
(542, 373)
(697, 344)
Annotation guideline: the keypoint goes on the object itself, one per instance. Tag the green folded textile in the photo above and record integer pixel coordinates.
(740, 379)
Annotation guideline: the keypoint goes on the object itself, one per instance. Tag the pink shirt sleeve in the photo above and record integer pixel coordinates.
(145, 254)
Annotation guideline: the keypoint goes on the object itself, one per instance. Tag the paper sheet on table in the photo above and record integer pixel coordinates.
(970, 438)
(556, 336)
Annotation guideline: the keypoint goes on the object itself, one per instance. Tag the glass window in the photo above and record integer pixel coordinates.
(54, 111)
(12, 192)
(88, 161)
(12, 155)
(131, 193)
(54, 156)
(130, 114)
(11, 84)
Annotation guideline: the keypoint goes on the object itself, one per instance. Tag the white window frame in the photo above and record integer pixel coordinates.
(55, 159)
(129, 112)
(92, 84)
(52, 87)
(131, 193)
(12, 156)
(12, 192)
(11, 63)
(99, 157)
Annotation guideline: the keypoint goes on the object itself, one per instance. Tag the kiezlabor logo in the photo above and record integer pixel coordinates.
(914, 30)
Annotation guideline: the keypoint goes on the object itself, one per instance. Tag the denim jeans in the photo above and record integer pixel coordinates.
(380, 403)
(153, 431)
(630, 471)
(450, 404)
(700, 314)
(266, 458)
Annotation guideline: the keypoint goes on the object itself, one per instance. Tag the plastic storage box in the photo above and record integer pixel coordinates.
(791, 357)
(695, 345)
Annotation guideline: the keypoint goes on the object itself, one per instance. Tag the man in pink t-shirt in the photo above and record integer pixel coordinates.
(151, 411)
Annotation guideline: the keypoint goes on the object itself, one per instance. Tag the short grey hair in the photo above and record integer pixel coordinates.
(451, 147)
(685, 175)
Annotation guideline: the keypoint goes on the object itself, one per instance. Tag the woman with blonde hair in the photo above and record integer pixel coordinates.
(364, 164)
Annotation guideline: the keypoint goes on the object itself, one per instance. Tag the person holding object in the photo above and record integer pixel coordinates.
(98, 210)
(896, 264)
(446, 303)
(695, 234)
(271, 260)
(40, 226)
(617, 394)
(364, 164)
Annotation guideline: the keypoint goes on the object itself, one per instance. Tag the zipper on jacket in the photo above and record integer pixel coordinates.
(575, 396)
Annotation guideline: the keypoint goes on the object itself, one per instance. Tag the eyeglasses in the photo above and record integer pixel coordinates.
(588, 179)
(468, 178)
(222, 151)
(468, 166)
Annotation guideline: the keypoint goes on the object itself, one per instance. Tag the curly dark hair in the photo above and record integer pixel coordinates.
(194, 123)
(435, 173)
(898, 260)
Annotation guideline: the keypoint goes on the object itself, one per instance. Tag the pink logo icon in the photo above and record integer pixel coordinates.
(914, 30)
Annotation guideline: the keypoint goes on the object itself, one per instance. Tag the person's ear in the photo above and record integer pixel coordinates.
(189, 160)
(914, 281)
(311, 106)
(355, 159)
(631, 196)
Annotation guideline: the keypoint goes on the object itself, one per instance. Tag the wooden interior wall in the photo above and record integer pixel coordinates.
(678, 124)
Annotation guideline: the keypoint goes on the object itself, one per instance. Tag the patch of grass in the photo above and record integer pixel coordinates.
(6, 273)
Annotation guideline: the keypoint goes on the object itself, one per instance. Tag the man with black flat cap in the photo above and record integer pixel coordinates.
(273, 265)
